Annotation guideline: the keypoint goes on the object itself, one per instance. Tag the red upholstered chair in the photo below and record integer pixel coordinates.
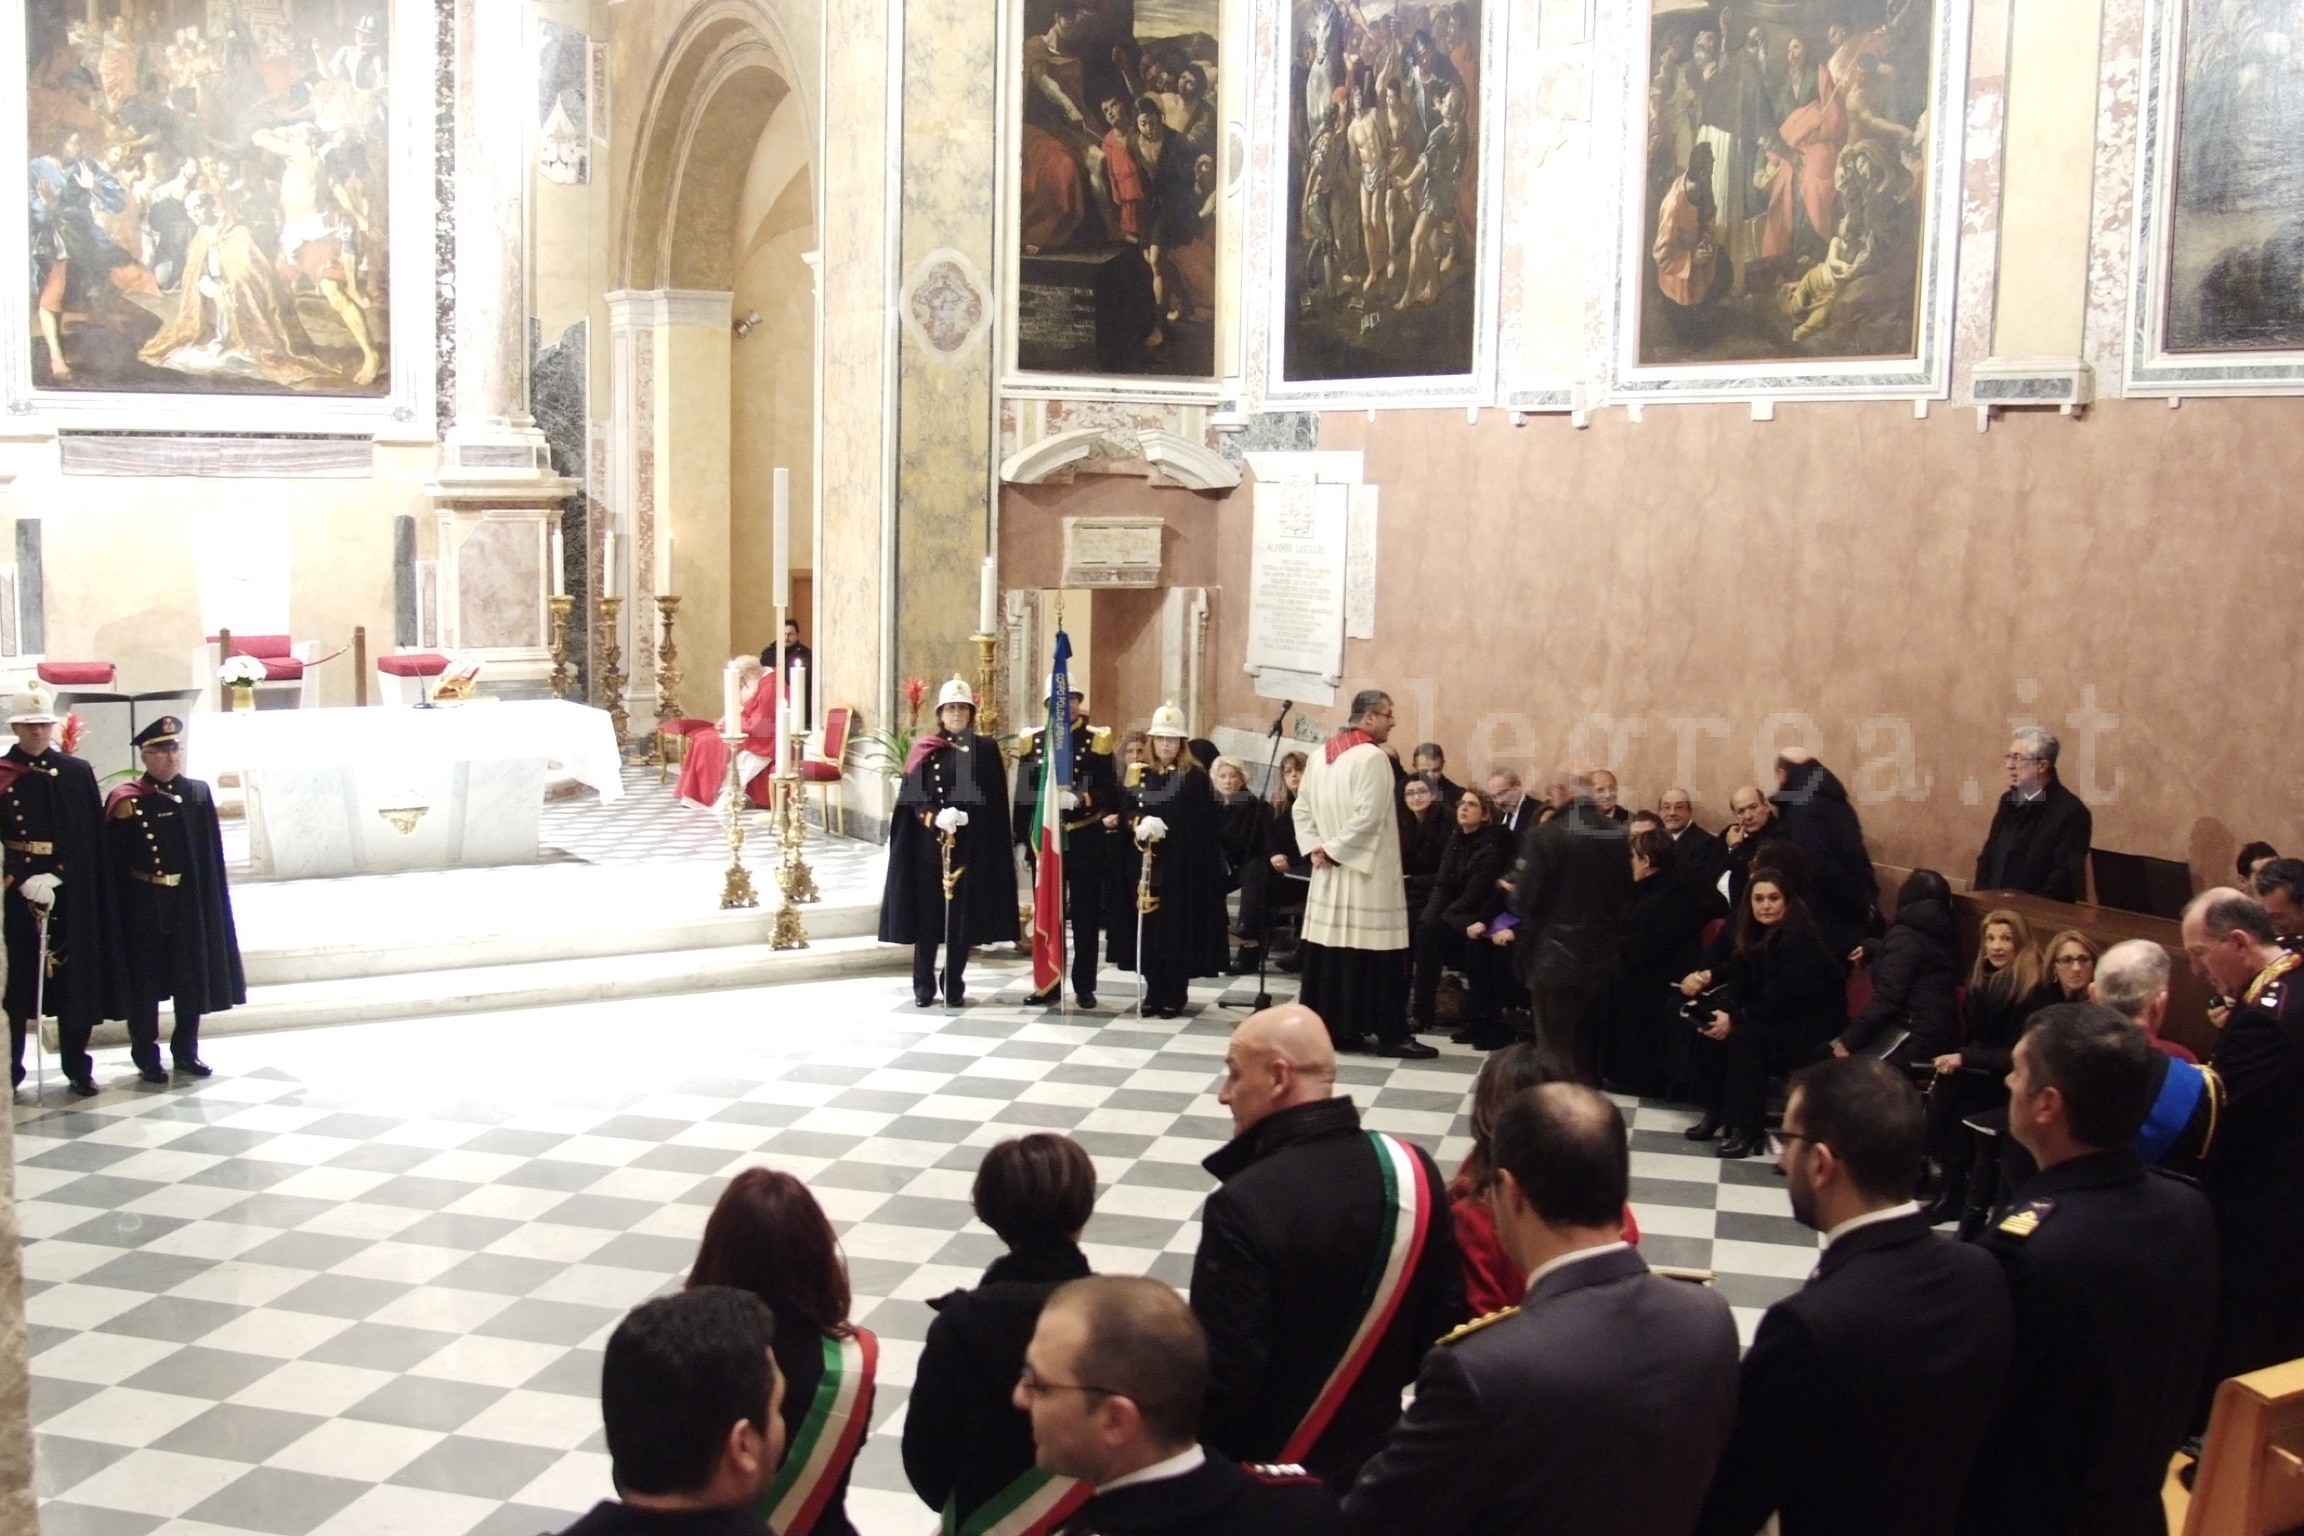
(1859, 989)
(78, 674)
(406, 679)
(820, 765)
(287, 668)
(1712, 931)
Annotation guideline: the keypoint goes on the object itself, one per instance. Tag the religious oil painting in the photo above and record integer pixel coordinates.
(1386, 272)
(208, 210)
(1118, 194)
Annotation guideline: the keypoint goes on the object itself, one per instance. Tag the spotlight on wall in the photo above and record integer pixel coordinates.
(747, 325)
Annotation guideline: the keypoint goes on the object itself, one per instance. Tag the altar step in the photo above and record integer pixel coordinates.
(548, 982)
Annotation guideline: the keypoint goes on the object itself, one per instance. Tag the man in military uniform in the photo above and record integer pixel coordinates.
(2254, 1172)
(1113, 1381)
(2112, 1267)
(1095, 794)
(52, 818)
(167, 857)
(951, 874)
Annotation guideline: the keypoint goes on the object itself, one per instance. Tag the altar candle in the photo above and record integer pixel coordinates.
(800, 693)
(608, 565)
(783, 737)
(666, 584)
(781, 587)
(731, 708)
(988, 600)
(559, 581)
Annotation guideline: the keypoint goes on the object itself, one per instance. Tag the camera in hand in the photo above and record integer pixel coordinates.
(1696, 1012)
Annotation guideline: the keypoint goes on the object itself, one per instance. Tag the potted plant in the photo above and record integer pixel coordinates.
(240, 675)
(887, 748)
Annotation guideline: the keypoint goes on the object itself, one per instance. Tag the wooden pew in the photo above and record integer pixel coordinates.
(2187, 994)
(2250, 1480)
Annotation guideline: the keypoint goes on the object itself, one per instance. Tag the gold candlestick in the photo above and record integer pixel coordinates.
(563, 675)
(795, 878)
(667, 685)
(611, 680)
(987, 684)
(736, 892)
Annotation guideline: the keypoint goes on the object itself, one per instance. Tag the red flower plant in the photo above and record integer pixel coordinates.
(69, 737)
(915, 694)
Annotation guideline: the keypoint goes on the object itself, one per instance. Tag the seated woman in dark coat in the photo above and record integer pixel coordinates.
(1645, 1050)
(1785, 994)
(1244, 824)
(965, 1443)
(1452, 928)
(1915, 979)
(767, 1235)
(1424, 828)
(2008, 983)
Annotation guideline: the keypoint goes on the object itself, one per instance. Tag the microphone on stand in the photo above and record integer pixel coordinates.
(1281, 719)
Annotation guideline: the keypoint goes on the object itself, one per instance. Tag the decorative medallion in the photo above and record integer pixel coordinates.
(945, 305)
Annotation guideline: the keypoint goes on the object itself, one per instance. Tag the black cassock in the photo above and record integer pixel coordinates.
(964, 772)
(176, 926)
(53, 817)
(1184, 935)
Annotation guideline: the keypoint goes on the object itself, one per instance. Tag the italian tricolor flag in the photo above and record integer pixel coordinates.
(1048, 824)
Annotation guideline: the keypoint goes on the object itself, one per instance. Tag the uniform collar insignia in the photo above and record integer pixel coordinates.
(2287, 962)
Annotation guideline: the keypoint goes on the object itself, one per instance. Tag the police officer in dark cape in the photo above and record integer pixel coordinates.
(1176, 840)
(951, 872)
(52, 817)
(1088, 843)
(167, 856)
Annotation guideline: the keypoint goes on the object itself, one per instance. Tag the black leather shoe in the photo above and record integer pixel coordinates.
(83, 1088)
(923, 1002)
(1046, 999)
(1410, 1049)
(151, 1074)
(193, 1066)
(1704, 1129)
(1742, 1146)
(962, 1001)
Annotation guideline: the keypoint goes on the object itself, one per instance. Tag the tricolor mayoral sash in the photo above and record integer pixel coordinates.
(1408, 1205)
(1033, 1505)
(828, 1438)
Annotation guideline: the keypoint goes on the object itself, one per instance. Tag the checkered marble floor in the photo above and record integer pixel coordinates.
(357, 1283)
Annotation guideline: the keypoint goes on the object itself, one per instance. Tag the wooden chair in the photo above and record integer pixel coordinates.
(821, 764)
(2250, 1479)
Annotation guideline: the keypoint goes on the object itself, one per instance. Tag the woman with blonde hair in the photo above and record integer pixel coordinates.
(2007, 983)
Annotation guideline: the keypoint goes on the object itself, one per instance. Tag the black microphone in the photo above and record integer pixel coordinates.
(1281, 719)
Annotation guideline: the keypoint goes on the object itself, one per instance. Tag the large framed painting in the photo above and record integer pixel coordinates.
(1384, 277)
(2216, 304)
(1116, 199)
(230, 202)
(1791, 199)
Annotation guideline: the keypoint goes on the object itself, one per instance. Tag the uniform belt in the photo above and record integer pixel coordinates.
(34, 850)
(170, 881)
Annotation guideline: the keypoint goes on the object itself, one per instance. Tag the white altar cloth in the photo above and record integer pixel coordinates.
(365, 791)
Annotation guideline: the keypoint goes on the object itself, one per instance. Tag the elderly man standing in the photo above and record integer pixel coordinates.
(1327, 1262)
(1356, 914)
(2040, 830)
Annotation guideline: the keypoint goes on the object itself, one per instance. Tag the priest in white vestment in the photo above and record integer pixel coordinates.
(1356, 916)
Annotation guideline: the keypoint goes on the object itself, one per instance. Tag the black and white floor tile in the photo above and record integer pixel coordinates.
(357, 1283)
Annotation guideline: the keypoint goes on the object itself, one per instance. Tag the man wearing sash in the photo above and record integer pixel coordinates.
(1327, 1262)
(1602, 1401)
(1113, 1379)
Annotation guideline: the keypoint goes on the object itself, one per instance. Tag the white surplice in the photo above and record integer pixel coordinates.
(1346, 809)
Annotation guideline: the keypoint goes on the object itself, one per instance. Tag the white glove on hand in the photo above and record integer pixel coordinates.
(1066, 800)
(951, 819)
(1150, 829)
(40, 890)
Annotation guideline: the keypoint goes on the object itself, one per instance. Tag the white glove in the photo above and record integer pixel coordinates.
(1066, 800)
(40, 890)
(1150, 829)
(951, 819)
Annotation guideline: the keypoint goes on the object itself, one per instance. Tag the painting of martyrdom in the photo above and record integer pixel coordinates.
(1383, 189)
(1785, 193)
(1118, 193)
(208, 196)
(2236, 234)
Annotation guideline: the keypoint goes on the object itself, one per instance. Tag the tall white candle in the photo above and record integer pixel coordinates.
(780, 594)
(783, 734)
(559, 567)
(731, 701)
(800, 693)
(988, 600)
(666, 584)
(608, 565)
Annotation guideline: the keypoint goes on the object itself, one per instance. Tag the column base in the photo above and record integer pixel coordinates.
(496, 455)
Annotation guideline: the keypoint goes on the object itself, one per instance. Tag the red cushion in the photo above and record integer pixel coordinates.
(414, 664)
(277, 670)
(263, 647)
(81, 673)
(813, 772)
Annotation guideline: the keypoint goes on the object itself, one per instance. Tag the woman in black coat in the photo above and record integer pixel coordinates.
(965, 1443)
(1915, 978)
(1245, 828)
(1171, 809)
(1644, 1050)
(1425, 827)
(2008, 983)
(1785, 994)
(1452, 928)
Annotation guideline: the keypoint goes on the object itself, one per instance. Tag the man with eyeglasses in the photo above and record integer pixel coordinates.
(1113, 1381)
(1866, 1392)
(2040, 830)
(167, 856)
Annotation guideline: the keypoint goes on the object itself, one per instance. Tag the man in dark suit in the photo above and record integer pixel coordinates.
(1865, 1392)
(1569, 890)
(1696, 852)
(1601, 1402)
(1294, 1258)
(1431, 765)
(1515, 812)
(1114, 1379)
(1813, 813)
(2040, 830)
(2113, 1268)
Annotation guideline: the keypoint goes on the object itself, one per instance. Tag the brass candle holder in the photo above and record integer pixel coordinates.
(563, 675)
(736, 892)
(794, 878)
(987, 684)
(611, 680)
(667, 685)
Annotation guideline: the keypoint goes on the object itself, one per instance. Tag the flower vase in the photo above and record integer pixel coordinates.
(243, 695)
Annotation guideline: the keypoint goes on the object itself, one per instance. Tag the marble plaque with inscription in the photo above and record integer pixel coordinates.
(1296, 579)
(1112, 551)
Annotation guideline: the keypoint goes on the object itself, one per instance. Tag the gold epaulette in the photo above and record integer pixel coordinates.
(2025, 1219)
(1028, 740)
(123, 808)
(1100, 740)
(1478, 1323)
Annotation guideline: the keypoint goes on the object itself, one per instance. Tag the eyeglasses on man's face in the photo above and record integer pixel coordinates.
(1033, 1386)
(1783, 1139)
